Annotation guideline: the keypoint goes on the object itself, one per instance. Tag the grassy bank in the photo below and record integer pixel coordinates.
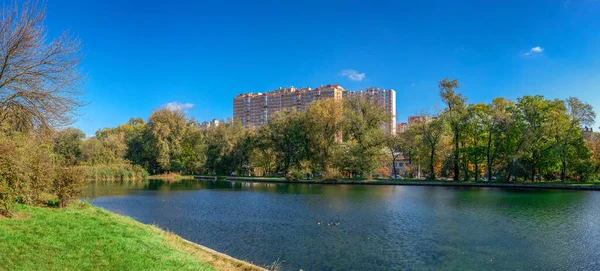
(83, 237)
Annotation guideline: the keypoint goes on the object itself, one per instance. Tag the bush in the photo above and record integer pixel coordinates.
(121, 171)
(7, 199)
(68, 183)
(297, 174)
(26, 169)
(332, 175)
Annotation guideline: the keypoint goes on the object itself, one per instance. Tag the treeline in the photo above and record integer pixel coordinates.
(332, 137)
(530, 139)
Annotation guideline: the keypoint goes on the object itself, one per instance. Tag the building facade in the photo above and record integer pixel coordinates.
(385, 98)
(255, 109)
(209, 124)
(401, 127)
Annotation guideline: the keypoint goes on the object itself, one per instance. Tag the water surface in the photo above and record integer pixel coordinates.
(360, 227)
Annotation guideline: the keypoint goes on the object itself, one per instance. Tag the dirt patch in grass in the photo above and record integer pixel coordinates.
(18, 216)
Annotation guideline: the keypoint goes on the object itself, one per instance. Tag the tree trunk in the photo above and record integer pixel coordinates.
(394, 166)
(509, 171)
(432, 170)
(563, 170)
(456, 166)
(489, 157)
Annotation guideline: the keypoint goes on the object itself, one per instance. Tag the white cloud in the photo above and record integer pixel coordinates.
(177, 106)
(534, 51)
(353, 75)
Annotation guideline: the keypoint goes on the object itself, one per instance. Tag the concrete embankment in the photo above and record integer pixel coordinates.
(415, 183)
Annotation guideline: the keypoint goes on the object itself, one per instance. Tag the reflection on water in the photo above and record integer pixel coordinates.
(345, 227)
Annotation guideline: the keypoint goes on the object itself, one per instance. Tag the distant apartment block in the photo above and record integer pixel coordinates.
(401, 127)
(209, 124)
(255, 109)
(385, 98)
(587, 131)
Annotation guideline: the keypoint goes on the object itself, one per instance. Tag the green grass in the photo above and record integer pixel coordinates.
(83, 237)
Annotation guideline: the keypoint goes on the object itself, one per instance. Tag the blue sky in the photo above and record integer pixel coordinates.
(141, 55)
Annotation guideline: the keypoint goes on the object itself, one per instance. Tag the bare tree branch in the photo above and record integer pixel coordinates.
(39, 79)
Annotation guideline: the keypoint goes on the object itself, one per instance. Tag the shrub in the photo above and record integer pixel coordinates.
(68, 182)
(7, 199)
(296, 174)
(119, 171)
(332, 175)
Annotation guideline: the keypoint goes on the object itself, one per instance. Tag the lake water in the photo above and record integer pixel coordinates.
(361, 227)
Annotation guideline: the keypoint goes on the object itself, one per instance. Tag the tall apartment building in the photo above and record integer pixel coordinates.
(255, 109)
(385, 98)
(401, 127)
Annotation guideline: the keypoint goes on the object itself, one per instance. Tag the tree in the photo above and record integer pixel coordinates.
(394, 147)
(242, 152)
(475, 133)
(324, 126)
(536, 114)
(286, 135)
(431, 130)
(104, 149)
(592, 142)
(411, 145)
(67, 144)
(38, 79)
(364, 134)
(569, 137)
(496, 120)
(167, 128)
(455, 114)
(222, 142)
(39, 83)
(137, 137)
(193, 149)
(263, 156)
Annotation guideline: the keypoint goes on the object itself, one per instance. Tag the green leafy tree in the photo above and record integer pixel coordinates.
(67, 145)
(475, 136)
(496, 121)
(571, 145)
(167, 128)
(324, 125)
(364, 134)
(224, 153)
(286, 135)
(536, 113)
(455, 114)
(431, 131)
(394, 148)
(193, 149)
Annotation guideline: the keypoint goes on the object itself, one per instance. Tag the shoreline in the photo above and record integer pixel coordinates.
(585, 187)
(246, 265)
(132, 244)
